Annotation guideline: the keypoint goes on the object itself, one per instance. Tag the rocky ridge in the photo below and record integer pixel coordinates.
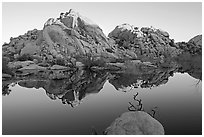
(74, 41)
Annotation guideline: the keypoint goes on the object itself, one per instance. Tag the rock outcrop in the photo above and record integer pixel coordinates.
(193, 46)
(73, 35)
(135, 123)
(147, 44)
(63, 41)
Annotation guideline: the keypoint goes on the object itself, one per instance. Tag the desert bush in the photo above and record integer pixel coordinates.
(25, 57)
(5, 68)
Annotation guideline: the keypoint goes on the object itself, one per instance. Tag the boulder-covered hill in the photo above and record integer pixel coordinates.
(74, 40)
(62, 40)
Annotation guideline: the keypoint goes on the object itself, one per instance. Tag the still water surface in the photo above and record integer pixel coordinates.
(31, 111)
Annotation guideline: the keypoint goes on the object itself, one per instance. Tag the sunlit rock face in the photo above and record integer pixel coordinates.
(135, 123)
(148, 44)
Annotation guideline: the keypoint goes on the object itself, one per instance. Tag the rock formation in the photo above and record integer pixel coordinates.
(67, 41)
(74, 41)
(135, 123)
(193, 46)
(146, 44)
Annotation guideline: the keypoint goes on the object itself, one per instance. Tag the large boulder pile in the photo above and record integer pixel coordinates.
(147, 44)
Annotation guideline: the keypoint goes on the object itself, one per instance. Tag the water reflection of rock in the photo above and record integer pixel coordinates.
(191, 64)
(72, 89)
(143, 78)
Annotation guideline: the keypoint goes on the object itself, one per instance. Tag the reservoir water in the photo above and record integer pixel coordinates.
(38, 107)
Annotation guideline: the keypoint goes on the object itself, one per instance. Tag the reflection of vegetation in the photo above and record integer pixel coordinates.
(25, 57)
(5, 68)
(5, 89)
(142, 79)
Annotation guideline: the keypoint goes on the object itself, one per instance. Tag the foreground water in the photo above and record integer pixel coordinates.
(31, 111)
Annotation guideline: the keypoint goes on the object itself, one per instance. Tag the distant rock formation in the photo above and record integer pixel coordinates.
(193, 46)
(135, 123)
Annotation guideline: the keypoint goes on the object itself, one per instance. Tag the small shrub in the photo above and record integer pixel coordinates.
(25, 57)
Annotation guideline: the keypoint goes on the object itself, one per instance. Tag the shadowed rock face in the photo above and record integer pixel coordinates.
(135, 123)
